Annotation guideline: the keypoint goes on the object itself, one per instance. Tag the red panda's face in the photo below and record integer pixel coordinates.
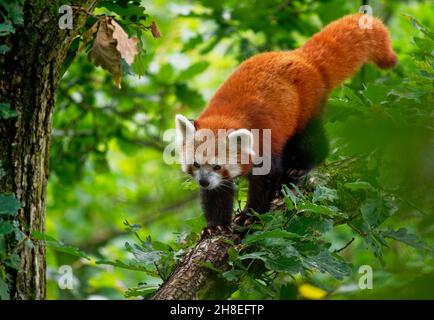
(210, 157)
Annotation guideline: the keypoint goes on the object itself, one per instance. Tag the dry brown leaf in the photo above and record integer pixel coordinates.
(128, 47)
(155, 30)
(110, 45)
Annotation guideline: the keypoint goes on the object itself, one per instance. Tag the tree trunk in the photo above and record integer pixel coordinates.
(29, 74)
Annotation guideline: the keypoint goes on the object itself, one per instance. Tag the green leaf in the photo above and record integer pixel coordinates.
(58, 245)
(189, 96)
(4, 48)
(319, 209)
(324, 194)
(376, 93)
(6, 227)
(145, 255)
(252, 289)
(353, 98)
(403, 93)
(13, 261)
(328, 262)
(281, 263)
(6, 112)
(70, 56)
(253, 255)
(233, 254)
(425, 44)
(289, 203)
(141, 291)
(6, 28)
(208, 265)
(232, 275)
(374, 211)
(130, 265)
(127, 11)
(141, 63)
(37, 235)
(192, 43)
(375, 243)
(9, 205)
(4, 290)
(418, 25)
(279, 255)
(289, 195)
(193, 71)
(277, 233)
(14, 10)
(405, 237)
(166, 74)
(288, 292)
(358, 185)
(303, 225)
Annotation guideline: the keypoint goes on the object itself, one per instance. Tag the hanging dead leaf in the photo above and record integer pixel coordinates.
(155, 30)
(128, 47)
(103, 52)
(110, 45)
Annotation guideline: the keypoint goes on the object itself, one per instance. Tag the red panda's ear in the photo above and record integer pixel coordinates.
(184, 128)
(243, 140)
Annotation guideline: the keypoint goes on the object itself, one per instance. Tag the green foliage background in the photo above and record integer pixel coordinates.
(371, 203)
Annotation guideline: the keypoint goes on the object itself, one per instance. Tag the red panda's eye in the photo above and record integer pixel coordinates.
(197, 165)
(217, 167)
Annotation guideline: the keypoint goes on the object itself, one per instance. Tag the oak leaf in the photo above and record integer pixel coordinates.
(128, 47)
(155, 30)
(111, 44)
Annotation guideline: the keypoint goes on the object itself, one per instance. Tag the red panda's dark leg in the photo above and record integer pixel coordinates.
(217, 205)
(262, 190)
(304, 151)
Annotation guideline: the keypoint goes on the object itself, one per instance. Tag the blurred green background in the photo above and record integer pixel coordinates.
(107, 165)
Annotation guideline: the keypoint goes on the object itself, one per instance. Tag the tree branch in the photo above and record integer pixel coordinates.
(192, 280)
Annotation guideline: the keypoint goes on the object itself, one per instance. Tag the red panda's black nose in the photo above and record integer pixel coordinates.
(204, 183)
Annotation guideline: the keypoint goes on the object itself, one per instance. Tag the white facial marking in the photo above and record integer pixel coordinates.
(208, 175)
(234, 170)
(214, 180)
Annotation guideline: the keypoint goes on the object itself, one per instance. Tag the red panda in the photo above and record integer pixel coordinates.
(285, 92)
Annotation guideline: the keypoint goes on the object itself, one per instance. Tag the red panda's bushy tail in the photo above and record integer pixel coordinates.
(343, 46)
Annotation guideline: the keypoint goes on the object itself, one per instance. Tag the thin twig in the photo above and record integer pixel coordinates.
(159, 272)
(91, 7)
(345, 246)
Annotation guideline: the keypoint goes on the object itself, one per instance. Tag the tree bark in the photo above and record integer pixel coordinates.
(193, 280)
(29, 74)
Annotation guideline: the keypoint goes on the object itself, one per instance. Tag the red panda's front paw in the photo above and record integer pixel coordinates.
(297, 173)
(215, 231)
(244, 219)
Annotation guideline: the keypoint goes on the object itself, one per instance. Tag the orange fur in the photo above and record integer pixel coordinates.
(281, 91)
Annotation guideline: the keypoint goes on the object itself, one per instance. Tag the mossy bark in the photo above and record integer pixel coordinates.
(192, 280)
(29, 74)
